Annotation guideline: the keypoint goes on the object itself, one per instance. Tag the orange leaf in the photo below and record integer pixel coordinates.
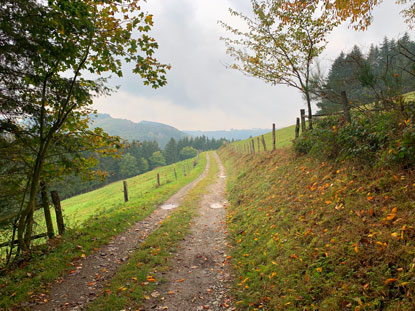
(181, 280)
(388, 281)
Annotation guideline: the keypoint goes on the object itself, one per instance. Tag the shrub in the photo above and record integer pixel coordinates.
(383, 138)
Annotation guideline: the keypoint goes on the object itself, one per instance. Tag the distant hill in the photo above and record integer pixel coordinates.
(144, 130)
(232, 134)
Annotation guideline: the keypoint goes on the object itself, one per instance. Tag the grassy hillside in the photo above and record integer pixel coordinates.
(95, 218)
(325, 236)
(283, 136)
(140, 188)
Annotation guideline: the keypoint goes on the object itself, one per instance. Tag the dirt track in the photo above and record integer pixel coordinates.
(90, 275)
(199, 279)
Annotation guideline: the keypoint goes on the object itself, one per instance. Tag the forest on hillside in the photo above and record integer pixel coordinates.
(136, 158)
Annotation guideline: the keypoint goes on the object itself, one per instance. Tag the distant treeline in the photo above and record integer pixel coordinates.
(137, 158)
(386, 70)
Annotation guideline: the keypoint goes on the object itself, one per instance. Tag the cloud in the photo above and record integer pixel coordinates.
(203, 94)
(137, 108)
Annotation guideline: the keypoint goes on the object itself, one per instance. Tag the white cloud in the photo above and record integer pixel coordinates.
(202, 93)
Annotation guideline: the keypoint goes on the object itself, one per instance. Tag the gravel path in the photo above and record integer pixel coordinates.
(90, 275)
(199, 279)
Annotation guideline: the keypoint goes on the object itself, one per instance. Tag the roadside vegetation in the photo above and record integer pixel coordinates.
(327, 234)
(95, 218)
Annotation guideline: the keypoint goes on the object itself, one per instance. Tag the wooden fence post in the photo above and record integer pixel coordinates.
(58, 210)
(258, 144)
(273, 136)
(253, 146)
(303, 127)
(46, 210)
(263, 143)
(184, 171)
(158, 179)
(346, 107)
(125, 191)
(175, 174)
(297, 128)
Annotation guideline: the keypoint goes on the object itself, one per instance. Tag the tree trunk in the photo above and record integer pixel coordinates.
(46, 210)
(25, 224)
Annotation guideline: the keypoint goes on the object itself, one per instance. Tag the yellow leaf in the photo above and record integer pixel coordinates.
(319, 269)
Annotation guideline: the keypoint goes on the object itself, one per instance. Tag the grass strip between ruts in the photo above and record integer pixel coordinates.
(142, 273)
(49, 262)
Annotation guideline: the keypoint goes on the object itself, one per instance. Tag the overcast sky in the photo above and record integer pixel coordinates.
(201, 93)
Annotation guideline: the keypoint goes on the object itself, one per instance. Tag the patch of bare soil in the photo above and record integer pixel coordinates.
(89, 276)
(199, 278)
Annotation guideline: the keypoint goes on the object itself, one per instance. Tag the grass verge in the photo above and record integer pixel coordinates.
(311, 235)
(142, 273)
(55, 259)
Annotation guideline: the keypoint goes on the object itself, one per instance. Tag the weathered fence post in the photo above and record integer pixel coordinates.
(158, 179)
(303, 127)
(46, 210)
(125, 191)
(175, 174)
(253, 146)
(273, 136)
(184, 171)
(297, 128)
(58, 210)
(263, 143)
(346, 107)
(259, 149)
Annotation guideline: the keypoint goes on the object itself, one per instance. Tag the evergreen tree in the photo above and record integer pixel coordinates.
(171, 153)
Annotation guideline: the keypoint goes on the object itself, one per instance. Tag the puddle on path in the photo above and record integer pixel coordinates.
(216, 205)
(168, 206)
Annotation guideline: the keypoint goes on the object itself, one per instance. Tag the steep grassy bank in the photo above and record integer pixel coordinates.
(107, 216)
(309, 235)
